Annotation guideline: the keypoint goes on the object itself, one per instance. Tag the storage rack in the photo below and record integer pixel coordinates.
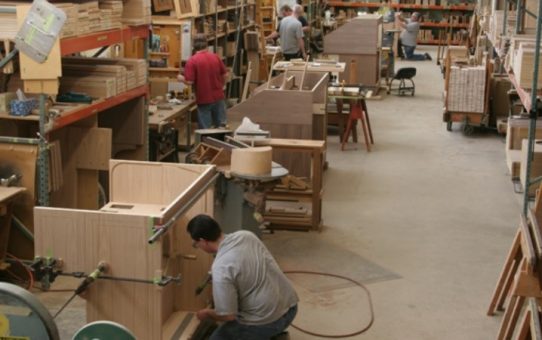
(69, 46)
(399, 6)
(528, 99)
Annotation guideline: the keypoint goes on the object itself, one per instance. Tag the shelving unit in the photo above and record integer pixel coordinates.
(97, 130)
(220, 24)
(425, 9)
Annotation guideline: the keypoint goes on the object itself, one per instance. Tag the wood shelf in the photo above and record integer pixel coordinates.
(442, 25)
(436, 42)
(399, 6)
(86, 111)
(159, 53)
(103, 38)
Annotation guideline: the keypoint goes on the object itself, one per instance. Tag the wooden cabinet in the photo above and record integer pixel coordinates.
(118, 234)
(358, 40)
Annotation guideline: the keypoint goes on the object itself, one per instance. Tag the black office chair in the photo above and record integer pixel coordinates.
(403, 74)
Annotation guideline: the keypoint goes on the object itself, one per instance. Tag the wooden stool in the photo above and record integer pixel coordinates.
(358, 111)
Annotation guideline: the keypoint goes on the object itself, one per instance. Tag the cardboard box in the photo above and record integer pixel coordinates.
(230, 48)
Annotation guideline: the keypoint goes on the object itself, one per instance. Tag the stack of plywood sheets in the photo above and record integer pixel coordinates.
(96, 87)
(72, 18)
(523, 66)
(466, 89)
(136, 69)
(111, 12)
(118, 72)
(136, 12)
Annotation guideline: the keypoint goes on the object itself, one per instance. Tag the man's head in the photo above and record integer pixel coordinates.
(205, 233)
(285, 11)
(298, 10)
(200, 42)
(415, 16)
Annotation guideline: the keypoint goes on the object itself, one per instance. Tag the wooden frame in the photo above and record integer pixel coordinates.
(144, 196)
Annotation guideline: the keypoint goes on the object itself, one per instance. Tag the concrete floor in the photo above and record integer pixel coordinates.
(434, 210)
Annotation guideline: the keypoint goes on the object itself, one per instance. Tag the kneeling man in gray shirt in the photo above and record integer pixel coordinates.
(252, 296)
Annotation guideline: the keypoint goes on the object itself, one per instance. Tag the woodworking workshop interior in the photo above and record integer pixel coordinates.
(270, 169)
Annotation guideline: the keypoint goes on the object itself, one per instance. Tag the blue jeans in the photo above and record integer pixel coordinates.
(233, 330)
(409, 53)
(213, 114)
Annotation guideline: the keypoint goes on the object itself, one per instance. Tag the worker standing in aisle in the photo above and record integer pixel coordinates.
(207, 72)
(291, 34)
(252, 296)
(409, 35)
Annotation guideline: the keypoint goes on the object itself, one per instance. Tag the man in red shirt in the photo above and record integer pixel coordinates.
(207, 71)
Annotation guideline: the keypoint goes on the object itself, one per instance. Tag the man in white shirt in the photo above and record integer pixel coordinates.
(251, 295)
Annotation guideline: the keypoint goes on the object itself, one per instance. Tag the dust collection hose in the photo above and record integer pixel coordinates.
(332, 336)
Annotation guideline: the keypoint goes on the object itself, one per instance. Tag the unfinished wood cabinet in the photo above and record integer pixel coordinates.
(144, 196)
(288, 112)
(358, 40)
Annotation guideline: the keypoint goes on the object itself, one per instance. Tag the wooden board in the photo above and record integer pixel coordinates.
(162, 5)
(159, 190)
(82, 149)
(32, 70)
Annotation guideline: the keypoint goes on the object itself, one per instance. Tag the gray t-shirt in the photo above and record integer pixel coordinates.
(290, 30)
(409, 36)
(248, 282)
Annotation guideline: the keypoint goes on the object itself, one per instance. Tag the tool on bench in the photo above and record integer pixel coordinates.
(74, 97)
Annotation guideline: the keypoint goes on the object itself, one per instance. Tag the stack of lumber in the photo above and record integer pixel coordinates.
(88, 17)
(136, 69)
(72, 17)
(523, 65)
(466, 89)
(136, 12)
(97, 81)
(94, 86)
(111, 13)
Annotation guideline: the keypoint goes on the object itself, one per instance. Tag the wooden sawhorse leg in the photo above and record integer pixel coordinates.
(357, 113)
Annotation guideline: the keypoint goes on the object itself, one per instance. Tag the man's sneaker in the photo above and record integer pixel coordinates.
(428, 56)
(224, 127)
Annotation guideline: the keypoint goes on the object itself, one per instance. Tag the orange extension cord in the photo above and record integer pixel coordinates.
(343, 278)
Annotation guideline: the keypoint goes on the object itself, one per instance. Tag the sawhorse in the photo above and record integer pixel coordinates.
(358, 111)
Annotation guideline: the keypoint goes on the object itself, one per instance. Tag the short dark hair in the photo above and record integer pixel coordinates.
(285, 8)
(200, 41)
(203, 227)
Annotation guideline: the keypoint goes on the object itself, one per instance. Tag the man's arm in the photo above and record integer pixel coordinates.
(211, 314)
(182, 79)
(301, 43)
(400, 21)
(273, 35)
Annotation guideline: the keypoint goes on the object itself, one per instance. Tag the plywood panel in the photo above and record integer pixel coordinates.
(83, 238)
(360, 35)
(50, 69)
(157, 183)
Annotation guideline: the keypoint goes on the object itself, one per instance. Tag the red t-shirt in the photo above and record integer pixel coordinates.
(206, 71)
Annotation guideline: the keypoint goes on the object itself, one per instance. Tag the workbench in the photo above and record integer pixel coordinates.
(161, 123)
(316, 149)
